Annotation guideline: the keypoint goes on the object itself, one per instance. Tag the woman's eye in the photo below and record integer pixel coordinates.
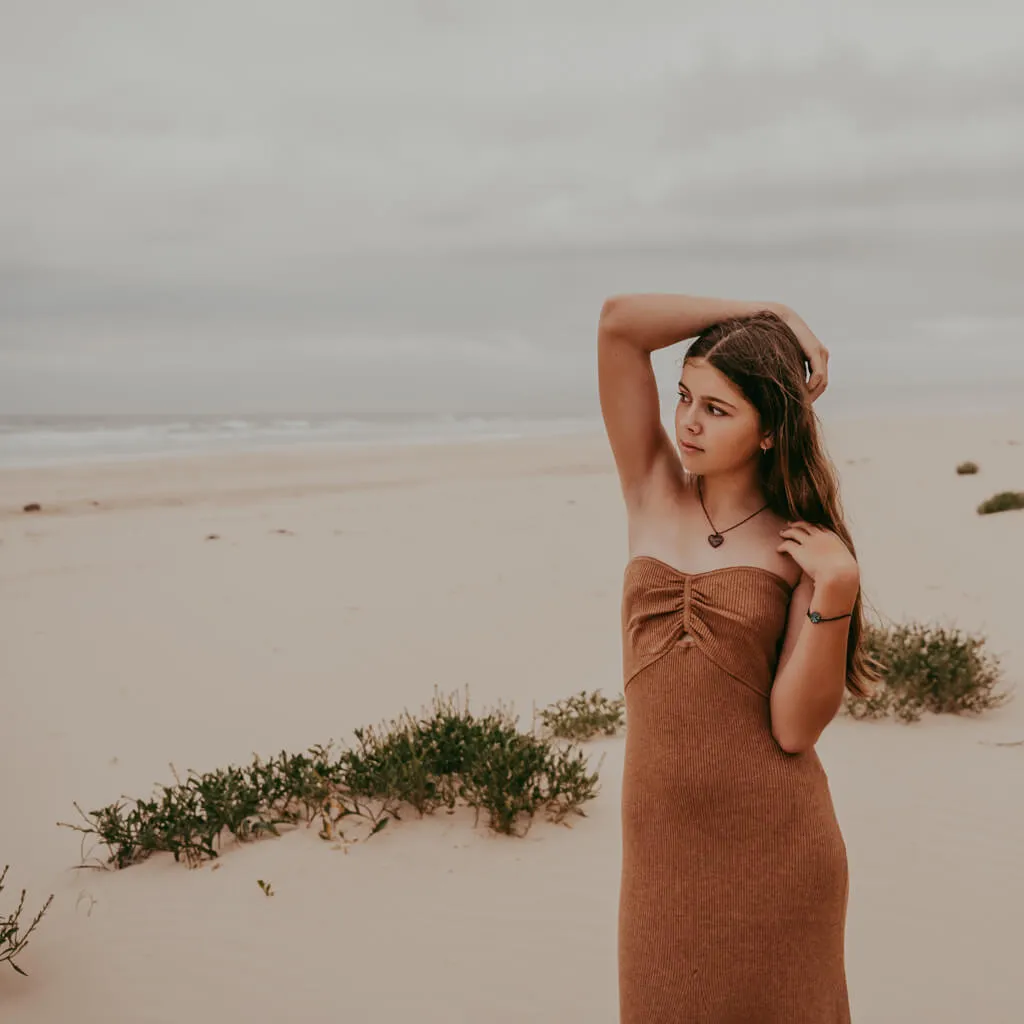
(713, 409)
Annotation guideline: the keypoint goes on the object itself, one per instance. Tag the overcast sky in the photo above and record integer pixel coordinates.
(232, 205)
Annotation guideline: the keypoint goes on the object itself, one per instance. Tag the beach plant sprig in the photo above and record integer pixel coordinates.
(13, 939)
(583, 715)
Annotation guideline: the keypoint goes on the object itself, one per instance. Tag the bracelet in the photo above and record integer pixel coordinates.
(818, 617)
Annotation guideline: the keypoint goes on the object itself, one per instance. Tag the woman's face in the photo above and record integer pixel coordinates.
(717, 428)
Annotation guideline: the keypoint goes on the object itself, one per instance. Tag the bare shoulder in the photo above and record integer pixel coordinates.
(767, 537)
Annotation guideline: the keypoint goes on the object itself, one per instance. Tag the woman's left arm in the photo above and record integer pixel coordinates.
(810, 678)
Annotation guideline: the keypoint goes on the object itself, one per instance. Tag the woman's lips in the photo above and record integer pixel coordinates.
(689, 447)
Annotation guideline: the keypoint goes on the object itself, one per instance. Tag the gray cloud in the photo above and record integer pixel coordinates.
(205, 187)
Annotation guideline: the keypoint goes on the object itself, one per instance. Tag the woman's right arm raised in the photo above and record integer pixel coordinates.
(631, 327)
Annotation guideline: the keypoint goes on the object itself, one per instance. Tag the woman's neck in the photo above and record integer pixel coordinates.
(730, 496)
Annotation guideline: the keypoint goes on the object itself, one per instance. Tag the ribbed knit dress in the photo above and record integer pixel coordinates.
(734, 886)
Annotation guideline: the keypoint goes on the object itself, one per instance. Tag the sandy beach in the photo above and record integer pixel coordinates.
(343, 586)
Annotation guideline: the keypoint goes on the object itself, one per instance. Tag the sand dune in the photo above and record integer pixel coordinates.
(342, 587)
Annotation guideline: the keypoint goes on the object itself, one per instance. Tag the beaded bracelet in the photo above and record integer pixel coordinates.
(818, 617)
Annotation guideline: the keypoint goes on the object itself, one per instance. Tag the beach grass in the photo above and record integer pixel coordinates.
(583, 716)
(927, 667)
(435, 760)
(12, 939)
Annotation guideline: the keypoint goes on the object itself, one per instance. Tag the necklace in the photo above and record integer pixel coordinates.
(715, 539)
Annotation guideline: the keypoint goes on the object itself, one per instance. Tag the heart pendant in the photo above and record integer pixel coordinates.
(715, 539)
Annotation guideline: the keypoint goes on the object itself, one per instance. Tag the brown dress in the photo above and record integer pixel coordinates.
(732, 907)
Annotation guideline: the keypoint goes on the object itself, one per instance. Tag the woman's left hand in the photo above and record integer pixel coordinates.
(814, 352)
(821, 554)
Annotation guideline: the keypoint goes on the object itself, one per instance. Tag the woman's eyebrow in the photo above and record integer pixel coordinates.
(711, 398)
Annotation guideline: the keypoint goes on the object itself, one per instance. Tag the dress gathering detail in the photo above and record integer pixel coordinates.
(734, 886)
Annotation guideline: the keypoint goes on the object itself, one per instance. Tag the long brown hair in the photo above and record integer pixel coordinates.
(762, 357)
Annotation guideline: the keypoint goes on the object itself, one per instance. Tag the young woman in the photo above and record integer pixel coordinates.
(741, 627)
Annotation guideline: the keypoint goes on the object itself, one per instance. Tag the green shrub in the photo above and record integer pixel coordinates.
(966, 468)
(12, 940)
(1002, 502)
(424, 763)
(581, 716)
(928, 668)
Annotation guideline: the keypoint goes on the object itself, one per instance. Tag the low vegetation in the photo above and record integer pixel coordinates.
(583, 716)
(12, 939)
(439, 760)
(1004, 501)
(928, 668)
(966, 468)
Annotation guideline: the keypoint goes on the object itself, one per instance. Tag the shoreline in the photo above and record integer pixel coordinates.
(178, 436)
(76, 486)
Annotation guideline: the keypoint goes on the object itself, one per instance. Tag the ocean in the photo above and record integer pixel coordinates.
(40, 440)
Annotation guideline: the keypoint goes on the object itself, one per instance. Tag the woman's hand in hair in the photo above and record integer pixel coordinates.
(822, 555)
(815, 352)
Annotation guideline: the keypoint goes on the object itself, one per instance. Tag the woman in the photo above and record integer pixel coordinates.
(741, 619)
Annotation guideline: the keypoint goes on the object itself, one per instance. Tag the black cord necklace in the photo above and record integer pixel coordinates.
(715, 539)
